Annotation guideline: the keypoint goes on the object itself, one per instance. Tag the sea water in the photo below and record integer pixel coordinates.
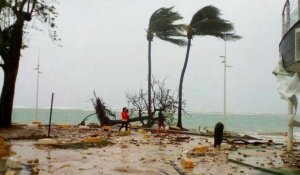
(276, 123)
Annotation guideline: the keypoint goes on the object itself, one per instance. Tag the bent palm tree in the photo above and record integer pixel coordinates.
(161, 25)
(206, 21)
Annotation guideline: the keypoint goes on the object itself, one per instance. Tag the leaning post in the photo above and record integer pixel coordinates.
(49, 128)
(290, 127)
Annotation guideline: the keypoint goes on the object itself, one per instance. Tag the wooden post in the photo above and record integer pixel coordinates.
(290, 128)
(49, 128)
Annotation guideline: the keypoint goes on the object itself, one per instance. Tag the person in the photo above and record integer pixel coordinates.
(124, 118)
(128, 123)
(161, 121)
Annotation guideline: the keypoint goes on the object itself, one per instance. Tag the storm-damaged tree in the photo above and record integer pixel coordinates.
(14, 18)
(161, 25)
(102, 111)
(162, 98)
(206, 21)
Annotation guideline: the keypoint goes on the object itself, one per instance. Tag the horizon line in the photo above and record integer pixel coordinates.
(188, 111)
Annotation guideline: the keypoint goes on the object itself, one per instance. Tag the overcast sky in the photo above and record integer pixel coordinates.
(104, 48)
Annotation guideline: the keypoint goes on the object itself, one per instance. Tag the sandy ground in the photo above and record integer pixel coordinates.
(140, 153)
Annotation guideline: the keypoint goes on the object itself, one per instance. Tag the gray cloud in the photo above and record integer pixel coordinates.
(105, 49)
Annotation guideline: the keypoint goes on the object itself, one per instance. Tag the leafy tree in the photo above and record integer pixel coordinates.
(161, 25)
(14, 17)
(205, 22)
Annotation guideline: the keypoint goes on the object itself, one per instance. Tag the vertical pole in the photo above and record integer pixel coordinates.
(290, 128)
(49, 127)
(298, 3)
(288, 17)
(37, 89)
(225, 64)
(283, 22)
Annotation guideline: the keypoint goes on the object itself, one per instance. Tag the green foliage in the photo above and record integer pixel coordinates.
(15, 19)
(15, 13)
(207, 21)
(161, 25)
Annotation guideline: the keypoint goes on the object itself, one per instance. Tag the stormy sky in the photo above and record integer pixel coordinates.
(104, 48)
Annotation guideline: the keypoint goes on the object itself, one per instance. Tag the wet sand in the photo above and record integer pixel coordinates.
(140, 153)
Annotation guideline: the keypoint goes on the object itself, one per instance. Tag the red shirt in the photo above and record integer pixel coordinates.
(124, 116)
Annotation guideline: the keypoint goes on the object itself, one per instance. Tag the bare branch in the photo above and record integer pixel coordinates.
(2, 4)
(28, 6)
(22, 6)
(154, 95)
(162, 97)
(144, 99)
(33, 6)
(1, 38)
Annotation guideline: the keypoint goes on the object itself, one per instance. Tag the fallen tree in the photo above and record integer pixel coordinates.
(106, 121)
(103, 115)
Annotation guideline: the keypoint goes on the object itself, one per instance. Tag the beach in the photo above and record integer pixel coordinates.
(139, 152)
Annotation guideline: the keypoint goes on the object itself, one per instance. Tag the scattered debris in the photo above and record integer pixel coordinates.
(199, 154)
(47, 141)
(186, 162)
(200, 149)
(4, 148)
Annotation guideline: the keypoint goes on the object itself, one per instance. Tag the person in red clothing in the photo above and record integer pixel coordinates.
(124, 118)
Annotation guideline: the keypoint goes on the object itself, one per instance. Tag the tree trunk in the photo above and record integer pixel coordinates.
(179, 123)
(149, 78)
(7, 96)
(140, 115)
(10, 68)
(114, 122)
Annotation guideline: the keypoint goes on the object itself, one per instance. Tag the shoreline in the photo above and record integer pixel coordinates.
(237, 123)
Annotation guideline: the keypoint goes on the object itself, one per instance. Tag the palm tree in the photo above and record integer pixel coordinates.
(206, 21)
(161, 25)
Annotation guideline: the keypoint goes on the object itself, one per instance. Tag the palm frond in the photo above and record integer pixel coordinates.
(158, 24)
(161, 24)
(231, 37)
(165, 13)
(171, 30)
(208, 12)
(212, 26)
(207, 21)
(177, 41)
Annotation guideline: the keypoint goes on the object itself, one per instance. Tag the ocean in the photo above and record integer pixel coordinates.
(193, 120)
